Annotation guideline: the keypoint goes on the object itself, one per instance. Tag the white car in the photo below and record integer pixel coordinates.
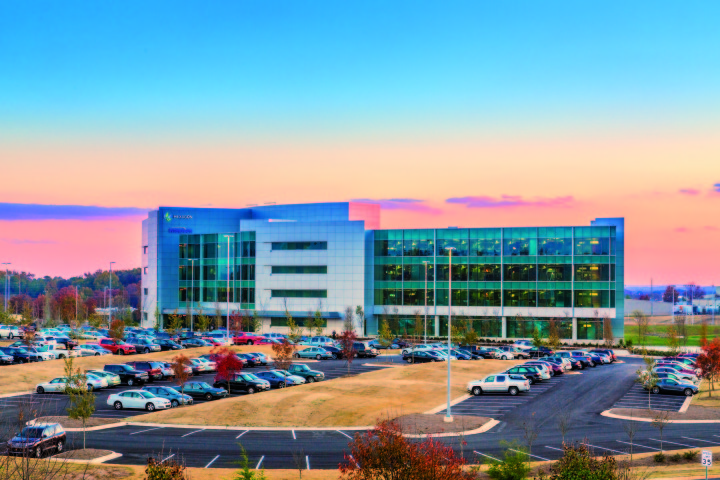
(112, 379)
(210, 363)
(503, 355)
(60, 353)
(202, 366)
(44, 340)
(138, 399)
(59, 384)
(42, 351)
(418, 348)
(10, 332)
(92, 335)
(523, 344)
(545, 371)
(500, 383)
(91, 350)
(444, 354)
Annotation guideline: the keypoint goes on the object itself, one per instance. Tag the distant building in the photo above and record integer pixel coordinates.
(506, 282)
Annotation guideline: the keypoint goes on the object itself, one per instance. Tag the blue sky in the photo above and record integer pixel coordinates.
(337, 66)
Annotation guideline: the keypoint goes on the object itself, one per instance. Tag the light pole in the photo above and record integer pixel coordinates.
(426, 265)
(5, 292)
(76, 303)
(227, 294)
(110, 293)
(192, 290)
(448, 416)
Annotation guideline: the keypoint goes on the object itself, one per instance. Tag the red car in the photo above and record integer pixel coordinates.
(213, 341)
(118, 347)
(247, 338)
(154, 372)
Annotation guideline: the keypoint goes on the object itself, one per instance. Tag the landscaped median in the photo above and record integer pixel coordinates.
(24, 377)
(356, 401)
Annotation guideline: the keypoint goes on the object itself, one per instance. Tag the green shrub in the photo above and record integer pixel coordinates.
(513, 467)
(690, 455)
(578, 462)
(659, 458)
(676, 458)
(167, 470)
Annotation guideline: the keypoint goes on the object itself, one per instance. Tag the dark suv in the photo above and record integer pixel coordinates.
(243, 382)
(37, 439)
(127, 374)
(20, 354)
(362, 351)
(528, 372)
(153, 372)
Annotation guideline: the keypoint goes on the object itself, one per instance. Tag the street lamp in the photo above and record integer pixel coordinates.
(110, 293)
(426, 265)
(448, 416)
(6, 283)
(192, 290)
(227, 294)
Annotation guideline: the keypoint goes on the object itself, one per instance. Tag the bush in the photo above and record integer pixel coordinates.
(578, 462)
(659, 458)
(690, 455)
(168, 470)
(676, 458)
(629, 344)
(513, 467)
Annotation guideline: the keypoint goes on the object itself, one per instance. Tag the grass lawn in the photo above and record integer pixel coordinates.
(703, 399)
(354, 401)
(657, 335)
(24, 377)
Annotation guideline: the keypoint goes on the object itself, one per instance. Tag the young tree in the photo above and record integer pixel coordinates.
(347, 342)
(82, 401)
(537, 339)
(579, 462)
(218, 316)
(348, 324)
(671, 294)
(227, 365)
(642, 321)
(360, 314)
(661, 421)
(673, 341)
(384, 454)
(309, 323)
(178, 366)
(245, 472)
(608, 336)
(256, 322)
(631, 429)
(681, 329)
(553, 340)
(117, 329)
(647, 377)
(283, 354)
(237, 320)
(294, 330)
(385, 335)
(709, 363)
(202, 323)
(318, 322)
(174, 323)
(564, 421)
(530, 430)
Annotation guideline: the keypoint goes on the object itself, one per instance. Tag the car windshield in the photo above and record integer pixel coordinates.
(147, 394)
(202, 385)
(31, 432)
(22, 350)
(248, 377)
(301, 368)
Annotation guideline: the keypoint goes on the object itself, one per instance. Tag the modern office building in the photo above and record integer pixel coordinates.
(301, 259)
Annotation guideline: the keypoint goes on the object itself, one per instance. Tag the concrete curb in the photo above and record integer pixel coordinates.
(484, 428)
(233, 427)
(444, 405)
(686, 404)
(97, 427)
(380, 366)
(607, 413)
(16, 394)
(105, 458)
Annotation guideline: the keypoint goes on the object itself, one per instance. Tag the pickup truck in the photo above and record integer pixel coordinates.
(501, 383)
(117, 347)
(62, 352)
(302, 370)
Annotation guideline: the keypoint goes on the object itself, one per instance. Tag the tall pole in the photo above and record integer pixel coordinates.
(192, 291)
(426, 265)
(448, 415)
(672, 294)
(651, 299)
(5, 292)
(227, 294)
(110, 293)
(76, 303)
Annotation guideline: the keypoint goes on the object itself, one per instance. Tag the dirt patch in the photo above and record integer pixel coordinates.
(70, 423)
(420, 423)
(86, 454)
(693, 413)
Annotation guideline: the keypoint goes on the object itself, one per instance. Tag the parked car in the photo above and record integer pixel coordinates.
(689, 362)
(516, 351)
(561, 362)
(378, 345)
(276, 379)
(112, 379)
(40, 351)
(690, 377)
(606, 351)
(317, 353)
(247, 338)
(335, 352)
(278, 336)
(503, 354)
(59, 384)
(540, 352)
(422, 357)
(6, 359)
(583, 358)
(318, 341)
(243, 382)
(596, 359)
(302, 370)
(65, 340)
(145, 345)
(418, 348)
(20, 354)
(552, 368)
(10, 332)
(61, 353)
(174, 396)
(524, 344)
(194, 343)
(296, 379)
(210, 365)
(531, 373)
(92, 350)
(501, 383)
(486, 352)
(117, 347)
(669, 385)
(138, 399)
(153, 372)
(576, 363)
(35, 440)
(204, 391)
(127, 374)
(259, 359)
(364, 351)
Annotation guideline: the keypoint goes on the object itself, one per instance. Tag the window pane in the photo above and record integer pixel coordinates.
(418, 248)
(520, 273)
(520, 247)
(460, 247)
(299, 245)
(555, 246)
(388, 248)
(485, 248)
(416, 273)
(298, 270)
(484, 298)
(520, 298)
(555, 273)
(592, 246)
(592, 273)
(388, 272)
(299, 293)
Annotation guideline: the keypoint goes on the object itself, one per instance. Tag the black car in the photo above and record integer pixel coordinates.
(540, 352)
(204, 391)
(422, 357)
(276, 379)
(362, 351)
(127, 374)
(37, 439)
(401, 343)
(486, 352)
(20, 355)
(166, 344)
(528, 372)
(258, 358)
(584, 359)
(194, 343)
(242, 382)
(334, 351)
(247, 359)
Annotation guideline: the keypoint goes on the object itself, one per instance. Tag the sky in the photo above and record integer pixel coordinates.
(460, 113)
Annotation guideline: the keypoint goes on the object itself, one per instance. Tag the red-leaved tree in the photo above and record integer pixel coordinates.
(282, 354)
(347, 346)
(709, 363)
(227, 364)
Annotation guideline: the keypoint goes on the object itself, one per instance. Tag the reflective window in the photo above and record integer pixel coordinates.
(299, 245)
(416, 297)
(589, 329)
(210, 272)
(485, 273)
(554, 273)
(416, 273)
(555, 298)
(520, 273)
(595, 298)
(592, 273)
(555, 246)
(592, 246)
(520, 298)
(459, 297)
(419, 248)
(484, 298)
(299, 293)
(388, 272)
(388, 248)
(520, 246)
(297, 270)
(388, 296)
(485, 247)
(459, 273)
(210, 250)
(459, 245)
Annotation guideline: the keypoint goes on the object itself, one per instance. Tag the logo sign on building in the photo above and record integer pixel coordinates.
(169, 218)
(706, 458)
(179, 230)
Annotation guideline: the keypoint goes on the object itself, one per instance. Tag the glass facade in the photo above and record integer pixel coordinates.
(299, 293)
(299, 245)
(299, 270)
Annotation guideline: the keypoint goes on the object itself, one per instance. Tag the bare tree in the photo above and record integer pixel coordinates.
(608, 331)
(564, 419)
(530, 431)
(300, 461)
(348, 323)
(642, 321)
(360, 314)
(661, 421)
(179, 366)
(631, 428)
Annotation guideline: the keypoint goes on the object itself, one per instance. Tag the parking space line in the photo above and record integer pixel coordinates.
(307, 461)
(553, 448)
(260, 462)
(701, 440)
(294, 437)
(638, 445)
(212, 461)
(196, 431)
(475, 451)
(603, 448)
(530, 454)
(243, 433)
(674, 443)
(148, 430)
(343, 433)
(167, 458)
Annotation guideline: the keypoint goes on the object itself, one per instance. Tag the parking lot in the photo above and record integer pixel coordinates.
(639, 398)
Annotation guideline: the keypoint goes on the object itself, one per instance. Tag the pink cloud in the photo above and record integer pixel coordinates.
(712, 228)
(689, 191)
(407, 204)
(682, 229)
(512, 201)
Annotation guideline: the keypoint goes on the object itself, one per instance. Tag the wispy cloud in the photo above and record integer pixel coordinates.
(689, 191)
(32, 211)
(716, 188)
(407, 204)
(511, 201)
(712, 228)
(682, 229)
(27, 241)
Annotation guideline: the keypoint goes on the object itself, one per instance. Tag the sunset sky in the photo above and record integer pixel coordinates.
(463, 113)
